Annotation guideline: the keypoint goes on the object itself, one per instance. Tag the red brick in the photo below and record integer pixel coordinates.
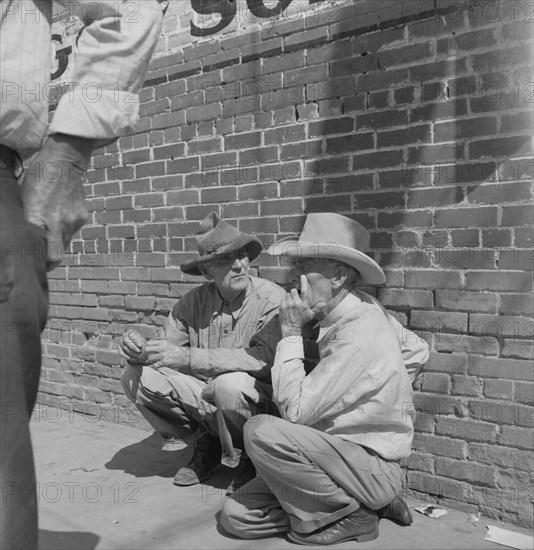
(335, 203)
(414, 134)
(523, 349)
(489, 367)
(436, 111)
(467, 217)
(380, 80)
(501, 456)
(467, 301)
(341, 125)
(305, 39)
(281, 207)
(439, 321)
(459, 343)
(405, 54)
(501, 280)
(517, 304)
(501, 147)
(436, 383)
(295, 132)
(421, 198)
(516, 437)
(466, 430)
(406, 298)
(354, 65)
(501, 325)
(466, 385)
(516, 259)
(382, 119)
(448, 363)
(495, 59)
(466, 471)
(458, 129)
(499, 389)
(440, 446)
(517, 215)
(377, 160)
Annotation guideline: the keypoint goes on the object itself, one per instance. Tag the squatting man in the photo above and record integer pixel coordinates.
(328, 469)
(211, 371)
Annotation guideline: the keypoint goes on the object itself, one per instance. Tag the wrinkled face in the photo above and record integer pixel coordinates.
(229, 273)
(319, 274)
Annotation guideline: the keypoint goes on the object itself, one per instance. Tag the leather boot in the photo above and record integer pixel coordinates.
(398, 511)
(360, 525)
(244, 472)
(206, 457)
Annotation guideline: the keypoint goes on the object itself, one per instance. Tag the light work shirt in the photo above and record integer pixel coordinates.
(360, 390)
(101, 99)
(240, 336)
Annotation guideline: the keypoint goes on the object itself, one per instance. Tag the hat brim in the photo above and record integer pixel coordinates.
(370, 271)
(250, 243)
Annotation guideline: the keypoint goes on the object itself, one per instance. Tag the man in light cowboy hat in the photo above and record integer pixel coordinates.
(329, 468)
(211, 371)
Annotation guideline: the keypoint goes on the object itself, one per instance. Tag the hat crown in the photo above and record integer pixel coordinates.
(213, 233)
(336, 229)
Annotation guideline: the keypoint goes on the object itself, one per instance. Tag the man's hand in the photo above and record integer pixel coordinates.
(52, 191)
(132, 347)
(161, 353)
(295, 311)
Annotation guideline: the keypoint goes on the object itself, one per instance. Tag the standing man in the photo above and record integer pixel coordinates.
(329, 468)
(38, 220)
(211, 372)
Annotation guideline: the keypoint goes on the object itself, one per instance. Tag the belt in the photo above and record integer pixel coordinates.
(12, 160)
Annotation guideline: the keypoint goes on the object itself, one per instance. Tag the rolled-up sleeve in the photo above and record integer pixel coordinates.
(114, 51)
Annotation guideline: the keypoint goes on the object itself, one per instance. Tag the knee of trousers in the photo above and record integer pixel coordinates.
(232, 519)
(260, 432)
(227, 391)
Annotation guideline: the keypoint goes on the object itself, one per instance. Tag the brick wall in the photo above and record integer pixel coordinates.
(415, 119)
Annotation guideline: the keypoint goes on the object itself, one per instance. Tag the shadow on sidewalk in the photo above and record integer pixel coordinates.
(145, 459)
(66, 540)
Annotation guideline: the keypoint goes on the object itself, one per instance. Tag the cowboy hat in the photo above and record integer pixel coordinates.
(333, 237)
(216, 238)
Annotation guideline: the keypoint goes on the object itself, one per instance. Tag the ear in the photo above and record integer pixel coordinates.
(341, 274)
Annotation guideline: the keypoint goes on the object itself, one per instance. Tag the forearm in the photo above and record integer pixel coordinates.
(113, 55)
(212, 362)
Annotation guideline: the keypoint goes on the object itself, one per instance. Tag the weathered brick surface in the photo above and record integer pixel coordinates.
(416, 123)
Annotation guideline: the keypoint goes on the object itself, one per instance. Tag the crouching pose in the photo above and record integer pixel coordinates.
(328, 469)
(211, 371)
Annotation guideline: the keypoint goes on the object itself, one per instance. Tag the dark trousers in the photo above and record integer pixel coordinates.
(23, 311)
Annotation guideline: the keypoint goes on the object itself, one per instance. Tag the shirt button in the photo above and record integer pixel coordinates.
(225, 331)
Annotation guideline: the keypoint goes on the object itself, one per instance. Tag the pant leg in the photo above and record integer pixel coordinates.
(23, 309)
(237, 397)
(254, 512)
(170, 401)
(317, 478)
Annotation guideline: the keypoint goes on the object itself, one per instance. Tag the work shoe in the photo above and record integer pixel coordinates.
(206, 457)
(398, 511)
(360, 525)
(244, 472)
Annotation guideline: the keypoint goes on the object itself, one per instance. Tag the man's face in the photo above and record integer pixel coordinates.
(230, 273)
(319, 274)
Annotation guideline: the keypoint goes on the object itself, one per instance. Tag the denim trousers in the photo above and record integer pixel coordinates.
(23, 312)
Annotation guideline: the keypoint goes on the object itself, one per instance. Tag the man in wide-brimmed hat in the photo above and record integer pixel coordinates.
(211, 371)
(328, 469)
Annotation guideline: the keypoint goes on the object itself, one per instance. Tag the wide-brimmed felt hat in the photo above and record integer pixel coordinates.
(216, 237)
(333, 237)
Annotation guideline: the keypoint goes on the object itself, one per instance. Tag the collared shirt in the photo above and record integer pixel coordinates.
(360, 389)
(237, 336)
(112, 58)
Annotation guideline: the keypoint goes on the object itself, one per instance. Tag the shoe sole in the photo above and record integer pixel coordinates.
(366, 537)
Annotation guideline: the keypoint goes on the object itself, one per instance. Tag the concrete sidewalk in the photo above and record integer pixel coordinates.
(105, 485)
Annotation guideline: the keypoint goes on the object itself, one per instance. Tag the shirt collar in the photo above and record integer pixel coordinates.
(331, 321)
(236, 306)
